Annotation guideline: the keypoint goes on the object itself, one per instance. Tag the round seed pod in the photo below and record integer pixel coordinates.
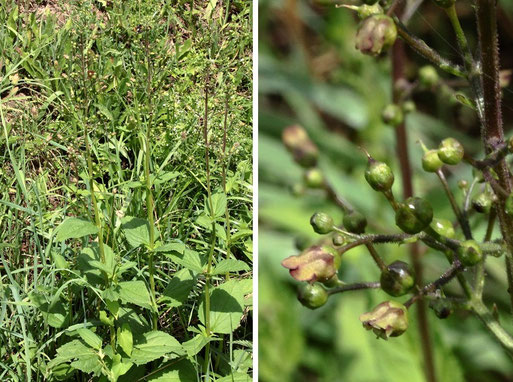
(482, 203)
(428, 76)
(312, 296)
(338, 240)
(355, 222)
(314, 178)
(470, 253)
(450, 151)
(392, 115)
(442, 307)
(443, 227)
(431, 162)
(379, 175)
(409, 107)
(321, 223)
(413, 215)
(397, 279)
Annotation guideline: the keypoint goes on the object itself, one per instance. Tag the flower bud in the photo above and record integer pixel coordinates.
(482, 203)
(313, 264)
(379, 175)
(444, 3)
(392, 115)
(397, 279)
(508, 206)
(470, 253)
(462, 184)
(338, 240)
(442, 307)
(376, 34)
(450, 151)
(443, 227)
(322, 223)
(314, 178)
(355, 222)
(428, 76)
(413, 215)
(304, 151)
(431, 162)
(388, 319)
(366, 10)
(312, 296)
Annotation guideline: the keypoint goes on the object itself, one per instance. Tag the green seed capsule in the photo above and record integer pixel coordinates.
(413, 215)
(322, 223)
(355, 222)
(379, 175)
(431, 162)
(428, 76)
(338, 240)
(312, 296)
(444, 3)
(392, 115)
(470, 253)
(314, 178)
(442, 307)
(443, 227)
(409, 107)
(450, 151)
(397, 279)
(508, 207)
(482, 203)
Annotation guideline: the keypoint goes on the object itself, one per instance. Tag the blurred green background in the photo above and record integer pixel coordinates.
(311, 74)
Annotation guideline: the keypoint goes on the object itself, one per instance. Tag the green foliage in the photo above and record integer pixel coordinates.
(104, 187)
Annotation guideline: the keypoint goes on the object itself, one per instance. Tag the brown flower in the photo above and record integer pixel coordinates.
(314, 264)
(388, 319)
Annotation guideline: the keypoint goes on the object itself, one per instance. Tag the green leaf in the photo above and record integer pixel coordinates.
(190, 260)
(183, 371)
(74, 228)
(57, 315)
(153, 345)
(218, 206)
(236, 377)
(230, 265)
(178, 289)
(134, 292)
(194, 345)
(86, 358)
(125, 338)
(171, 247)
(226, 307)
(137, 231)
(90, 338)
(91, 267)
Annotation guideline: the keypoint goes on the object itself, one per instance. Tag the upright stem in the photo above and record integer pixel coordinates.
(213, 240)
(492, 131)
(149, 195)
(227, 212)
(398, 68)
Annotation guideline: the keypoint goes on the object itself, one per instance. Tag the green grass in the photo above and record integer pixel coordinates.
(105, 227)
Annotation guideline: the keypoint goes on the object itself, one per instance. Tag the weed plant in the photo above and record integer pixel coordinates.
(126, 191)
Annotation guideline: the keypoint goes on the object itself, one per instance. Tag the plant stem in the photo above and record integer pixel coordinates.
(457, 211)
(492, 130)
(224, 165)
(398, 69)
(355, 286)
(149, 194)
(492, 325)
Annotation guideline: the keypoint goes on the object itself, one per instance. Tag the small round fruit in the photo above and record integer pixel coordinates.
(397, 279)
(338, 240)
(413, 215)
(470, 253)
(314, 178)
(450, 151)
(409, 107)
(431, 162)
(355, 222)
(442, 307)
(443, 227)
(392, 115)
(322, 223)
(379, 175)
(428, 76)
(482, 203)
(312, 296)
